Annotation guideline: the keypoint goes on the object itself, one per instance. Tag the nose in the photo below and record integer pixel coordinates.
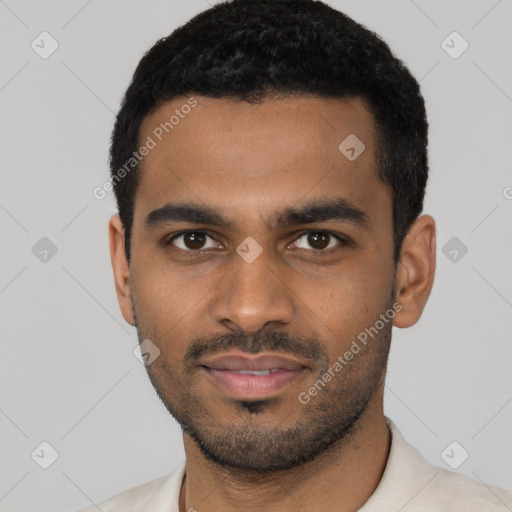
(253, 295)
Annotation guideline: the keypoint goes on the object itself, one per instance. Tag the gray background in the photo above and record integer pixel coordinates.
(67, 372)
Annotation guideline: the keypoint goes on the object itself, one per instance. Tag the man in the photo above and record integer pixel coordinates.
(270, 162)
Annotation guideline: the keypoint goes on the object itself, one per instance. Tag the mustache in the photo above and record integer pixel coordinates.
(271, 341)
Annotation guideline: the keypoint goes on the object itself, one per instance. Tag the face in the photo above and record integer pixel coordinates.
(260, 254)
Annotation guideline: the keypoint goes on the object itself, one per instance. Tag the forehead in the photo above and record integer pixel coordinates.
(245, 157)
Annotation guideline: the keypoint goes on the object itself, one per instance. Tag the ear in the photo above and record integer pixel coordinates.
(120, 268)
(415, 271)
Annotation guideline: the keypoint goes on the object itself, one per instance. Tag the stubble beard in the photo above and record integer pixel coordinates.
(251, 445)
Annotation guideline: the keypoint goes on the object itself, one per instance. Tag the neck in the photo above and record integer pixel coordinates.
(342, 478)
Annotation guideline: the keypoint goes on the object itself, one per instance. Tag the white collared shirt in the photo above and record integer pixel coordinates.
(409, 484)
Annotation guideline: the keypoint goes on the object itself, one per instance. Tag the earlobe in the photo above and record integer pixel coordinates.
(120, 268)
(415, 271)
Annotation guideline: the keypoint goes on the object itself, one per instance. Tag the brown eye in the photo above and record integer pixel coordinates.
(192, 241)
(317, 240)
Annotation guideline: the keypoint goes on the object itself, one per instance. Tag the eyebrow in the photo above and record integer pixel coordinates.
(337, 210)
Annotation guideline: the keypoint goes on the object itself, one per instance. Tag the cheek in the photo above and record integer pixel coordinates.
(170, 308)
(351, 300)
(162, 291)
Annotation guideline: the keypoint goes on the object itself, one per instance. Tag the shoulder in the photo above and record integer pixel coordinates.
(458, 492)
(156, 495)
(416, 485)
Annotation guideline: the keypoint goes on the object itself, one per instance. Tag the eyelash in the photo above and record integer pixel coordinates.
(344, 241)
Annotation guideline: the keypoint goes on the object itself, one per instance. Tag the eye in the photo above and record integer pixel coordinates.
(192, 241)
(319, 240)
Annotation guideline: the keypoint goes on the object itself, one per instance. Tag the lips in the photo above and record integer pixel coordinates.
(245, 376)
(260, 362)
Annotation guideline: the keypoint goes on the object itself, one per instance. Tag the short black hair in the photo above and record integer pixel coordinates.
(249, 50)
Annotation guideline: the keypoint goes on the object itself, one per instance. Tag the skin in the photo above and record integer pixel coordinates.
(250, 161)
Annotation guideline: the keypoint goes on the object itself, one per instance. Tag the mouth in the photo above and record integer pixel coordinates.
(246, 377)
